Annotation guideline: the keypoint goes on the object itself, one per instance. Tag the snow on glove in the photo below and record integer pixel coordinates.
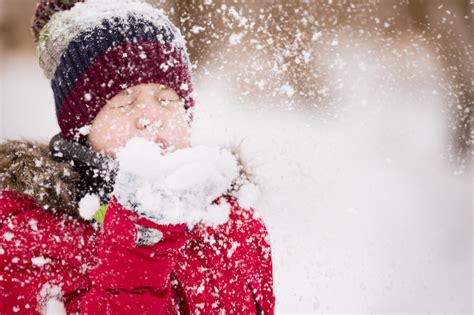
(147, 236)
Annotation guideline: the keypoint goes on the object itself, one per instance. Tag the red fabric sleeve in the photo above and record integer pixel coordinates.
(12, 202)
(130, 278)
(253, 255)
(40, 250)
(232, 259)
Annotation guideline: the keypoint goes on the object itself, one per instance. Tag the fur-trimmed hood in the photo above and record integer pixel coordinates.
(29, 167)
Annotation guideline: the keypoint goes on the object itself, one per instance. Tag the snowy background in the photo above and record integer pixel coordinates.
(367, 206)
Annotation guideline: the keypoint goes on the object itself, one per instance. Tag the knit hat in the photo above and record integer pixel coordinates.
(93, 49)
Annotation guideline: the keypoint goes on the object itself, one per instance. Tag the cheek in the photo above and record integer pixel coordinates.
(178, 132)
(109, 133)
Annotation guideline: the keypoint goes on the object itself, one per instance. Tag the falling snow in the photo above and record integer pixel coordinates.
(358, 118)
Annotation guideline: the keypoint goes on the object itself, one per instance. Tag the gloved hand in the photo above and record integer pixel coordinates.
(136, 257)
(133, 228)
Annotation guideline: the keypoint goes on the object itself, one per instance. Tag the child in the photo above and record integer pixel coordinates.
(119, 71)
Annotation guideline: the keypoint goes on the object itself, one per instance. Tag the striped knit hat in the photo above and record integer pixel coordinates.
(93, 49)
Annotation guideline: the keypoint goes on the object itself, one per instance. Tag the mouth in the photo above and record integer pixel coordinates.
(162, 142)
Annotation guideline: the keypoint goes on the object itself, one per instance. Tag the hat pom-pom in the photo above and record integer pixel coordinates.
(45, 10)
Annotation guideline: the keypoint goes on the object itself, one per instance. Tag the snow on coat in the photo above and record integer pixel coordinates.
(52, 259)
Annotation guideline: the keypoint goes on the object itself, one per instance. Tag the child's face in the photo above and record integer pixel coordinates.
(150, 111)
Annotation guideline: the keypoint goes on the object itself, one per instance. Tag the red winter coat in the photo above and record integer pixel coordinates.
(203, 271)
(222, 270)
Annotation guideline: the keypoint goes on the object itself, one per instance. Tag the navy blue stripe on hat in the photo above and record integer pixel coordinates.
(90, 44)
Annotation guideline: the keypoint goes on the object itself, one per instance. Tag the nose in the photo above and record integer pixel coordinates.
(148, 115)
(144, 122)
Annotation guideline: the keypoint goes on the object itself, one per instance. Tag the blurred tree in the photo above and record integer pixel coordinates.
(15, 22)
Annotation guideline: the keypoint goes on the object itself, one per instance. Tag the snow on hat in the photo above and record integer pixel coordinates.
(93, 49)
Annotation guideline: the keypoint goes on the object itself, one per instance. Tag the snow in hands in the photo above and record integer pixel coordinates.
(176, 187)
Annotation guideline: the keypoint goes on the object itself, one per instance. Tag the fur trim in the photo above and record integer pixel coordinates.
(245, 174)
(28, 167)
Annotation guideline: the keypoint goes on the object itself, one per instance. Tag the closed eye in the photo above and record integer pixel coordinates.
(166, 101)
(124, 104)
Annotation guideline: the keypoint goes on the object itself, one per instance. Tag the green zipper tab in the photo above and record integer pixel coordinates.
(99, 216)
